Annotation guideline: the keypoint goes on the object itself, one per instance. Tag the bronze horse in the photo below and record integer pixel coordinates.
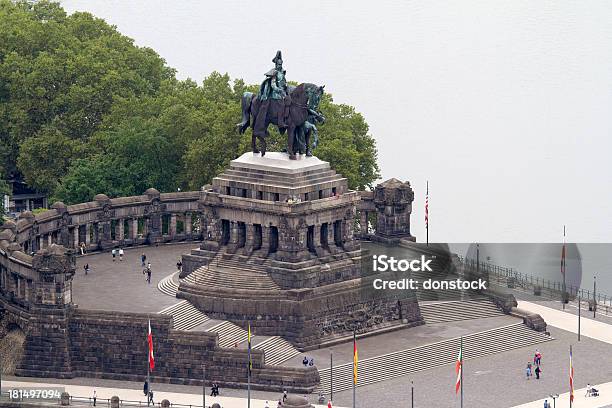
(296, 109)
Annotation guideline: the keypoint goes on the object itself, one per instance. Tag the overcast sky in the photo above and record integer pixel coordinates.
(504, 106)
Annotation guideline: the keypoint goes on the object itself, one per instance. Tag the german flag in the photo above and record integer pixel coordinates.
(355, 358)
(249, 341)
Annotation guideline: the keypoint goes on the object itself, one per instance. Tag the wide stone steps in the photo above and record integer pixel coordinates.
(230, 278)
(229, 334)
(458, 310)
(406, 362)
(185, 315)
(277, 350)
(168, 286)
(241, 264)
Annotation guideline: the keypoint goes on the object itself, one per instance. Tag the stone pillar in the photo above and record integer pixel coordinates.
(120, 226)
(265, 238)
(75, 233)
(188, 223)
(232, 244)
(40, 242)
(250, 239)
(87, 234)
(172, 226)
(134, 231)
(363, 222)
(49, 239)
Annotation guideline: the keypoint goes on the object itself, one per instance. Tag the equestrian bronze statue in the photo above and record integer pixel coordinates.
(292, 109)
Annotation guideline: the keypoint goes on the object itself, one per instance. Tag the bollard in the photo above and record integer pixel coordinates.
(65, 399)
(165, 403)
(215, 405)
(114, 402)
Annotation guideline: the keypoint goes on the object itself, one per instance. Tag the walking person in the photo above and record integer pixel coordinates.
(114, 252)
(120, 254)
(148, 275)
(86, 268)
(150, 398)
(546, 404)
(82, 247)
(528, 370)
(143, 259)
(94, 397)
(179, 265)
(538, 371)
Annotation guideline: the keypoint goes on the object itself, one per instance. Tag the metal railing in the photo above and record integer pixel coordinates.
(504, 276)
(78, 401)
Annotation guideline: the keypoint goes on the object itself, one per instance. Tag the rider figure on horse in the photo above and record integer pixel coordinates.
(275, 87)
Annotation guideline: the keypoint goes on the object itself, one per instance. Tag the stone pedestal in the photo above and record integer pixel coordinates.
(280, 251)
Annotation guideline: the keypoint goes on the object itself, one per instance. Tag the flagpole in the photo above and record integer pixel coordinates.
(461, 371)
(579, 307)
(249, 371)
(427, 214)
(571, 379)
(331, 376)
(203, 385)
(354, 366)
(563, 267)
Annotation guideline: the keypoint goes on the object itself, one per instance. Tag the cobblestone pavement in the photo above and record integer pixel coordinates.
(400, 340)
(177, 394)
(120, 285)
(496, 381)
(492, 381)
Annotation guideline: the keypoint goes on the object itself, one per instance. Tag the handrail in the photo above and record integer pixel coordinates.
(526, 280)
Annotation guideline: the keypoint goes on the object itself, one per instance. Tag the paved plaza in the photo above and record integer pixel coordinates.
(496, 380)
(120, 285)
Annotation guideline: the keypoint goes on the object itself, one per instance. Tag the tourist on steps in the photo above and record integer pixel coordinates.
(114, 252)
(121, 254)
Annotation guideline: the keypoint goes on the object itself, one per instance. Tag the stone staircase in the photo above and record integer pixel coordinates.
(277, 350)
(405, 362)
(452, 311)
(229, 333)
(232, 276)
(168, 286)
(185, 315)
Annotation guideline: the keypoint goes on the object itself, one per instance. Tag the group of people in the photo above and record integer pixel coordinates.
(308, 362)
(537, 362)
(214, 390)
(116, 252)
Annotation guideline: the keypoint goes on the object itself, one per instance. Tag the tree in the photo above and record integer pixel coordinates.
(63, 73)
(84, 111)
(4, 190)
(45, 157)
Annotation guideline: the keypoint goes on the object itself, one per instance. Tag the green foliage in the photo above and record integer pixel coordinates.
(84, 111)
(4, 190)
(62, 73)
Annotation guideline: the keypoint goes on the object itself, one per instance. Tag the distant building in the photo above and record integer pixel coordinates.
(23, 198)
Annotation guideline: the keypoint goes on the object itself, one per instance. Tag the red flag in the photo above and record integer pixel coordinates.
(571, 377)
(150, 341)
(458, 368)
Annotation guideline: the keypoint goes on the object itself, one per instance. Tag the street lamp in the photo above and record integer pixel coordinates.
(411, 394)
(554, 398)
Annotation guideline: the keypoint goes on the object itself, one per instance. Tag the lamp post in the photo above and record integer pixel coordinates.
(203, 385)
(554, 398)
(331, 375)
(411, 394)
